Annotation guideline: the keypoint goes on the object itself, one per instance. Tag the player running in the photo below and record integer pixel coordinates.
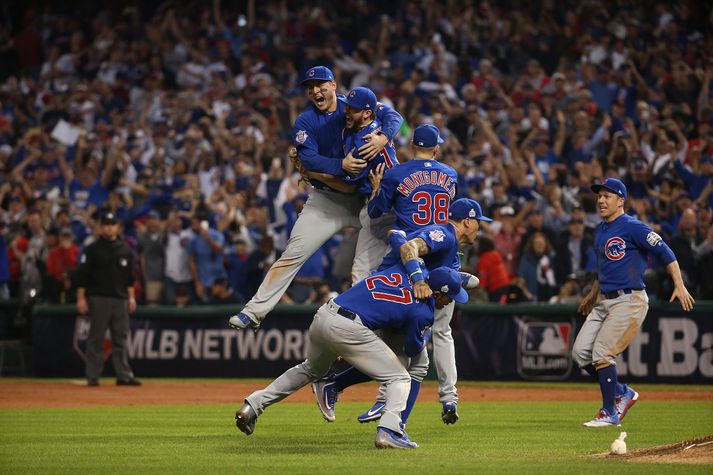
(344, 327)
(617, 304)
(318, 138)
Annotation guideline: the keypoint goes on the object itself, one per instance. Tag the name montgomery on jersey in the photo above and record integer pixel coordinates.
(416, 179)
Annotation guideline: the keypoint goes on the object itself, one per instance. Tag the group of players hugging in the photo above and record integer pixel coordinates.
(406, 276)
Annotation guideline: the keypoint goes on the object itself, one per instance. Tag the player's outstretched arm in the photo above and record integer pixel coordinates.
(590, 300)
(680, 292)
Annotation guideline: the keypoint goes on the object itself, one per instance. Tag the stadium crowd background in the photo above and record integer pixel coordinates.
(185, 112)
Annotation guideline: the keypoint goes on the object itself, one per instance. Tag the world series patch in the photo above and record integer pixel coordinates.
(301, 136)
(653, 239)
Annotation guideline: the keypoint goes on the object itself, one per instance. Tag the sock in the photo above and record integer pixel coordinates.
(608, 383)
(591, 370)
(412, 396)
(620, 388)
(349, 377)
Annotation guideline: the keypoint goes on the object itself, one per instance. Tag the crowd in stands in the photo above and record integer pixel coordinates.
(180, 117)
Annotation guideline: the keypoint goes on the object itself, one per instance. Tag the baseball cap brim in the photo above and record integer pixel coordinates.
(346, 101)
(485, 218)
(460, 297)
(599, 187)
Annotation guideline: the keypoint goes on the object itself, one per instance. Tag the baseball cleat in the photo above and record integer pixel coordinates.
(373, 414)
(242, 321)
(624, 402)
(603, 419)
(327, 396)
(450, 413)
(245, 419)
(388, 439)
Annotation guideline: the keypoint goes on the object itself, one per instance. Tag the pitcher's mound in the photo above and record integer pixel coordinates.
(694, 451)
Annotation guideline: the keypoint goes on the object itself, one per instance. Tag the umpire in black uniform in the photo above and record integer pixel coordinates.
(106, 292)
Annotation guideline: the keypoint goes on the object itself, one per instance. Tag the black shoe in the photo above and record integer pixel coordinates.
(128, 382)
(245, 419)
(93, 382)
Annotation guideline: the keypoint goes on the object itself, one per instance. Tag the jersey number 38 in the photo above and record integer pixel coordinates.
(431, 209)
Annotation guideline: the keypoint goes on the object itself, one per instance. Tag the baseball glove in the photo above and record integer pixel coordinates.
(295, 159)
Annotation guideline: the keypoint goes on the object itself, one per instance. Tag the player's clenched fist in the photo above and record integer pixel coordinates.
(421, 290)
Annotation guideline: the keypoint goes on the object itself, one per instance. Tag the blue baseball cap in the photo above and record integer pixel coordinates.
(611, 184)
(427, 136)
(449, 282)
(467, 208)
(318, 73)
(361, 98)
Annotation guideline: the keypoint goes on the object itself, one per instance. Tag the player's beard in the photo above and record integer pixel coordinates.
(355, 124)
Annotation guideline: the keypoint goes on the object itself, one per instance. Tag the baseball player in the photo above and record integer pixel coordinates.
(361, 123)
(617, 304)
(319, 142)
(419, 192)
(345, 327)
(437, 245)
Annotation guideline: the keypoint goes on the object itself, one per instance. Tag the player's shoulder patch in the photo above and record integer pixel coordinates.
(373, 125)
(301, 136)
(427, 164)
(436, 235)
(653, 239)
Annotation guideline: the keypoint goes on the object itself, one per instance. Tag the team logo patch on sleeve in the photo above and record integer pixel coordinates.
(301, 136)
(436, 235)
(653, 239)
(615, 248)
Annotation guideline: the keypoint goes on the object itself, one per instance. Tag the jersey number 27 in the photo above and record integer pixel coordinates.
(431, 209)
(398, 294)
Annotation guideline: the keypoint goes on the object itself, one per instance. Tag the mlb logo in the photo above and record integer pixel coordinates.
(547, 338)
(81, 335)
(544, 350)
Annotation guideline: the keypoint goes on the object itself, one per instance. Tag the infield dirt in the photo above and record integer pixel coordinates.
(77, 394)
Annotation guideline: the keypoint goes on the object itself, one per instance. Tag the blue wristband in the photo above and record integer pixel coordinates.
(413, 269)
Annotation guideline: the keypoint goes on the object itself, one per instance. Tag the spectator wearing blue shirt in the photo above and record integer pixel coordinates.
(205, 253)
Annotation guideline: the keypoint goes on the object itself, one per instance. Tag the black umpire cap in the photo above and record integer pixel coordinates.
(108, 217)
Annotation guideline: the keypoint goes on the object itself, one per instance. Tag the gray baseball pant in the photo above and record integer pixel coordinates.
(323, 215)
(111, 313)
(609, 328)
(372, 244)
(444, 356)
(332, 335)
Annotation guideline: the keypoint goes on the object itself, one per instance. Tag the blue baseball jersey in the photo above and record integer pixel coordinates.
(355, 139)
(385, 300)
(622, 248)
(318, 137)
(442, 248)
(418, 191)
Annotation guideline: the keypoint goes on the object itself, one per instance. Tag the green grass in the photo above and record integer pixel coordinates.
(496, 437)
